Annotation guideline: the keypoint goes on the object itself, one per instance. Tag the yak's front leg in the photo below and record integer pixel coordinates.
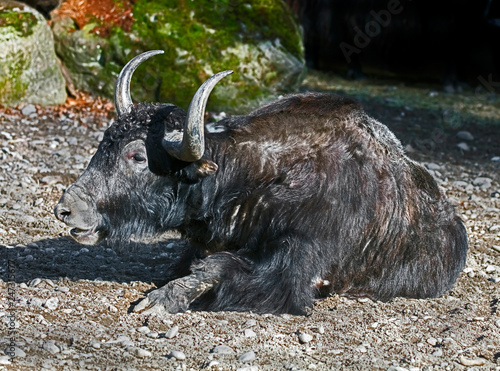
(177, 295)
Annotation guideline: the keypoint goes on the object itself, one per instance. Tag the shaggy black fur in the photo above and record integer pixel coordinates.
(311, 196)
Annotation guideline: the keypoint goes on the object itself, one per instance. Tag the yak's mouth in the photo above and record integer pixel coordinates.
(85, 236)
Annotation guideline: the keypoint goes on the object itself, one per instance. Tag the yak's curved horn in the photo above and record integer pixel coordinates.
(192, 145)
(123, 101)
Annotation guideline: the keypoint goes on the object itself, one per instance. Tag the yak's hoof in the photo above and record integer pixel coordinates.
(167, 299)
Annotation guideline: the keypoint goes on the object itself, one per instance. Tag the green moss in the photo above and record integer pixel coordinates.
(21, 22)
(201, 38)
(13, 86)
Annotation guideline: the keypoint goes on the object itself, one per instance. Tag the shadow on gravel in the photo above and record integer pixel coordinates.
(63, 257)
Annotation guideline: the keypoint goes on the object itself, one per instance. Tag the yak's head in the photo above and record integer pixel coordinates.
(140, 181)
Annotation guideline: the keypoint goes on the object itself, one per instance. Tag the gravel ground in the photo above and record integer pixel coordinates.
(71, 307)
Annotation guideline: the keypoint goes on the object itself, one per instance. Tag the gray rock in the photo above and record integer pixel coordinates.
(177, 355)
(482, 182)
(28, 110)
(222, 349)
(139, 352)
(29, 70)
(304, 337)
(465, 135)
(249, 333)
(247, 357)
(51, 347)
(463, 146)
(51, 303)
(433, 166)
(172, 332)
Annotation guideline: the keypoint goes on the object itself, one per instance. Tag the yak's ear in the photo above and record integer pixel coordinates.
(200, 169)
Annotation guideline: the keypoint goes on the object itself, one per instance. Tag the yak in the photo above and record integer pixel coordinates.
(302, 198)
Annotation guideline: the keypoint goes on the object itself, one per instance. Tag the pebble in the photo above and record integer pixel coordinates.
(249, 333)
(251, 322)
(463, 146)
(495, 159)
(432, 341)
(28, 109)
(50, 346)
(51, 303)
(438, 353)
(247, 357)
(497, 323)
(465, 135)
(35, 282)
(433, 166)
(139, 352)
(305, 338)
(96, 345)
(172, 332)
(471, 362)
(491, 268)
(62, 289)
(5, 360)
(152, 335)
(482, 182)
(143, 329)
(496, 248)
(177, 355)
(222, 349)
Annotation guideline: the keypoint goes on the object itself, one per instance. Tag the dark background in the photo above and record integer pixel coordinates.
(451, 42)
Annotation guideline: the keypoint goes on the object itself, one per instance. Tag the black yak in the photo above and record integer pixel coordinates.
(303, 197)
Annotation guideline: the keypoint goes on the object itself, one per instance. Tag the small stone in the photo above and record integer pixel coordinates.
(177, 355)
(62, 289)
(112, 309)
(143, 329)
(222, 349)
(305, 338)
(96, 345)
(438, 353)
(139, 352)
(491, 268)
(28, 109)
(465, 135)
(51, 303)
(5, 360)
(496, 248)
(482, 182)
(433, 166)
(51, 347)
(497, 323)
(152, 335)
(432, 341)
(250, 323)
(249, 333)
(35, 282)
(471, 362)
(495, 279)
(463, 146)
(495, 159)
(172, 332)
(247, 357)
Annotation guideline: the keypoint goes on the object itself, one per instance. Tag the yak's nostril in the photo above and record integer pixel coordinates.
(62, 213)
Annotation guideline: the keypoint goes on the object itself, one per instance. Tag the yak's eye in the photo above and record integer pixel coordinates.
(139, 158)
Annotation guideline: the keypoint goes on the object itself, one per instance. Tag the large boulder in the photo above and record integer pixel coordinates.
(258, 39)
(29, 70)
